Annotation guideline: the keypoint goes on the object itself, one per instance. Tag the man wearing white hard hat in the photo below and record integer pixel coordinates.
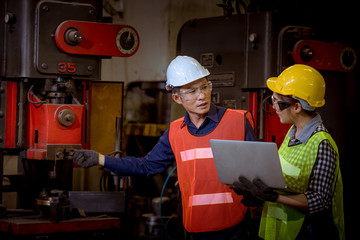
(211, 210)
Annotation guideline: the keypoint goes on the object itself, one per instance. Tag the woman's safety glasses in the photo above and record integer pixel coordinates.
(282, 105)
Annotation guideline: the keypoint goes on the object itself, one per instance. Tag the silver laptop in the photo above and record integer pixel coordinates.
(249, 159)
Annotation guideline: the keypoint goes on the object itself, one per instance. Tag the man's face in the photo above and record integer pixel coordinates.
(195, 97)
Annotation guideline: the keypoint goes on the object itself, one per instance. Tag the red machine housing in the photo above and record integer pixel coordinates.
(332, 56)
(10, 123)
(101, 39)
(274, 131)
(44, 128)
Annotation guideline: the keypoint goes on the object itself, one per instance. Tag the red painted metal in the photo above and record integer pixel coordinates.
(44, 128)
(253, 105)
(33, 226)
(97, 38)
(325, 55)
(86, 115)
(11, 113)
(274, 130)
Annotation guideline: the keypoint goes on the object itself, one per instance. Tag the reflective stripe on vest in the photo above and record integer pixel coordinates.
(207, 204)
(197, 153)
(209, 199)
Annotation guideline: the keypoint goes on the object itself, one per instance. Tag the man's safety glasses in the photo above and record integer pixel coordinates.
(193, 93)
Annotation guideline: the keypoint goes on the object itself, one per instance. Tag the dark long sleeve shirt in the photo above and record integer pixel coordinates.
(161, 156)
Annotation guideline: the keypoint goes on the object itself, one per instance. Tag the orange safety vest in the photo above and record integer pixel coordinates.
(208, 205)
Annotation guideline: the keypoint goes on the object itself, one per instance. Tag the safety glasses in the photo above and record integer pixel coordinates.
(193, 93)
(281, 104)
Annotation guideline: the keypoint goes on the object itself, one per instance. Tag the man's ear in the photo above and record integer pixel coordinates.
(176, 98)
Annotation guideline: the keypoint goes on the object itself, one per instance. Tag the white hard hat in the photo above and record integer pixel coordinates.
(183, 70)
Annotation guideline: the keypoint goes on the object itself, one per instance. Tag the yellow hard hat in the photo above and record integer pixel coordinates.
(300, 81)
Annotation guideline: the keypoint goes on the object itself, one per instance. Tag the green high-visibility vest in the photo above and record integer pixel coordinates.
(281, 222)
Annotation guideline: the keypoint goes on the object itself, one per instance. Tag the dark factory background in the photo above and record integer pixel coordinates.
(111, 98)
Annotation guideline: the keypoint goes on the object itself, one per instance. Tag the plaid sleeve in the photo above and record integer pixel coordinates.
(319, 192)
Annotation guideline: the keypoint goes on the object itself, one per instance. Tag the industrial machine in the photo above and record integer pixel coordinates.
(50, 65)
(243, 51)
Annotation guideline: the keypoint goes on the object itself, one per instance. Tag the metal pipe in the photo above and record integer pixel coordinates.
(5, 36)
(118, 137)
(261, 116)
(20, 142)
(1, 173)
